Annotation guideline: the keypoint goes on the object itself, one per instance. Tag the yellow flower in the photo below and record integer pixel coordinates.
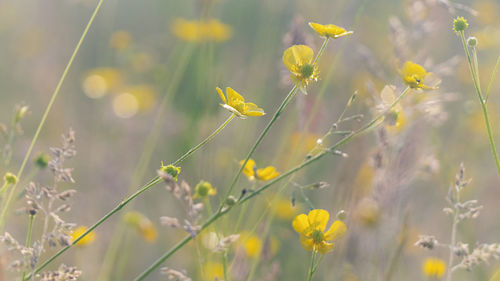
(264, 174)
(215, 30)
(311, 228)
(298, 59)
(434, 267)
(201, 31)
(88, 239)
(283, 209)
(413, 75)
(329, 30)
(251, 244)
(120, 40)
(236, 104)
(101, 81)
(395, 117)
(213, 271)
(143, 225)
(204, 189)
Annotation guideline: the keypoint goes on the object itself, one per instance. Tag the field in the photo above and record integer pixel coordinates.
(247, 140)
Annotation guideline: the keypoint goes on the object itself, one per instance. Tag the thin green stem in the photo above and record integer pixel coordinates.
(493, 74)
(321, 50)
(28, 241)
(151, 183)
(6, 206)
(476, 66)
(483, 103)
(278, 112)
(310, 272)
(4, 187)
(223, 210)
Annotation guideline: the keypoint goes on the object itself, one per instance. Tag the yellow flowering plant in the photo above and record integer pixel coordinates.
(413, 76)
(329, 30)
(313, 236)
(299, 60)
(236, 104)
(263, 174)
(86, 240)
(434, 268)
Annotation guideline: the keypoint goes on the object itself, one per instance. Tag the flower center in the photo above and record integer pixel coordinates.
(317, 236)
(307, 70)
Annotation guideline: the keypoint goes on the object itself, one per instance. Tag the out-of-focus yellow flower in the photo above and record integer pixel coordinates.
(204, 189)
(145, 96)
(213, 271)
(283, 209)
(101, 81)
(236, 104)
(200, 31)
(364, 178)
(329, 30)
(434, 267)
(264, 174)
(87, 240)
(143, 225)
(125, 105)
(368, 212)
(396, 117)
(142, 62)
(311, 228)
(413, 75)
(298, 59)
(251, 244)
(120, 40)
(215, 30)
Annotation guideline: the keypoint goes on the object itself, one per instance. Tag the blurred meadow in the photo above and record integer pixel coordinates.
(141, 92)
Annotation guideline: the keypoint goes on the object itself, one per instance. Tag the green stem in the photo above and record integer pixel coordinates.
(321, 50)
(4, 187)
(278, 112)
(28, 241)
(222, 211)
(151, 183)
(482, 101)
(46, 113)
(310, 272)
(493, 74)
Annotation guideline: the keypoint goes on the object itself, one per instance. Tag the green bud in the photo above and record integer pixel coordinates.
(171, 170)
(10, 178)
(42, 160)
(460, 24)
(203, 189)
(472, 41)
(21, 113)
(230, 201)
(341, 215)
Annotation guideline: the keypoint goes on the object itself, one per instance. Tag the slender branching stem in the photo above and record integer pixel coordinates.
(146, 187)
(7, 203)
(225, 209)
(482, 101)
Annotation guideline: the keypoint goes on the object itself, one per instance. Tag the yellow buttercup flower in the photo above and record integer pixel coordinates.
(311, 228)
(329, 30)
(215, 30)
(143, 225)
(251, 244)
(204, 189)
(201, 31)
(264, 174)
(88, 239)
(299, 60)
(413, 75)
(236, 104)
(100, 81)
(186, 30)
(434, 267)
(283, 208)
(213, 271)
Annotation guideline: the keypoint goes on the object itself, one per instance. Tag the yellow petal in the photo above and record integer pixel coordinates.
(251, 109)
(336, 231)
(319, 28)
(325, 247)
(297, 55)
(249, 168)
(329, 30)
(221, 95)
(300, 224)
(318, 219)
(268, 173)
(233, 98)
(307, 244)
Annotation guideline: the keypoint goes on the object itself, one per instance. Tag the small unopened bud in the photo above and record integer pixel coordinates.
(341, 215)
(42, 160)
(10, 178)
(472, 41)
(171, 170)
(21, 113)
(460, 24)
(230, 201)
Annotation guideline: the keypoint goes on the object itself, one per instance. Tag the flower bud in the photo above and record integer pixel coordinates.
(472, 41)
(10, 178)
(460, 24)
(171, 170)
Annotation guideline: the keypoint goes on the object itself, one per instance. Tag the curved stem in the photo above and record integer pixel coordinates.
(278, 112)
(223, 210)
(151, 183)
(46, 113)
(482, 101)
